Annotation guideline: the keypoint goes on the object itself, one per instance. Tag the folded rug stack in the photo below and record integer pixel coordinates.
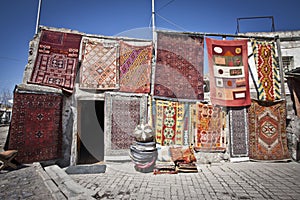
(184, 159)
(143, 151)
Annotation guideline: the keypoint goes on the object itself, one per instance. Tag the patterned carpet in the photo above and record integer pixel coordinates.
(57, 60)
(179, 66)
(135, 68)
(268, 74)
(99, 68)
(228, 72)
(239, 132)
(208, 123)
(267, 127)
(36, 126)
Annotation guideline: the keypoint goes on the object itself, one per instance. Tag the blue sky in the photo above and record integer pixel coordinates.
(112, 17)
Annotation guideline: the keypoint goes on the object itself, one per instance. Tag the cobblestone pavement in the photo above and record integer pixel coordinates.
(246, 180)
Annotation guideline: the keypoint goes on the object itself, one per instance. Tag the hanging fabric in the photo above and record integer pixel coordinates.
(267, 70)
(228, 72)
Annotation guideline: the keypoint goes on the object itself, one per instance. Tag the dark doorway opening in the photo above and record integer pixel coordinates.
(90, 147)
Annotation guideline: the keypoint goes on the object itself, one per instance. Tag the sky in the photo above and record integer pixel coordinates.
(130, 17)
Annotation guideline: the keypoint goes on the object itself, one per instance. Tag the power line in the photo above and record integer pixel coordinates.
(165, 5)
(170, 22)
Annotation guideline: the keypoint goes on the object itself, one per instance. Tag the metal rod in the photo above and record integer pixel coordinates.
(153, 19)
(38, 17)
(280, 67)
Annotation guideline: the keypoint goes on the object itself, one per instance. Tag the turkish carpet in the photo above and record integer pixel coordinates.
(208, 123)
(267, 71)
(228, 72)
(239, 132)
(99, 65)
(123, 115)
(172, 123)
(267, 126)
(179, 66)
(135, 68)
(36, 126)
(57, 60)
(295, 90)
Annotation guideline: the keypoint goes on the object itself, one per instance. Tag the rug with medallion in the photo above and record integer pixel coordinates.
(36, 126)
(267, 131)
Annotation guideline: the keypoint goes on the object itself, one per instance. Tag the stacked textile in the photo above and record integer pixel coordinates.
(143, 151)
(184, 159)
(164, 163)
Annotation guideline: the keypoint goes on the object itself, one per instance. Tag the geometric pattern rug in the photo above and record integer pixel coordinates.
(99, 65)
(267, 126)
(57, 60)
(239, 133)
(135, 68)
(208, 123)
(267, 71)
(228, 72)
(172, 123)
(36, 126)
(179, 66)
(123, 114)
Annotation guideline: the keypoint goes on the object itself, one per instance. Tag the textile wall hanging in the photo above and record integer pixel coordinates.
(267, 71)
(267, 128)
(36, 129)
(99, 66)
(208, 123)
(172, 123)
(179, 66)
(57, 59)
(123, 114)
(228, 71)
(238, 122)
(135, 68)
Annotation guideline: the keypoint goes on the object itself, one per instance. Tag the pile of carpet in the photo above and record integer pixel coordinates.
(143, 151)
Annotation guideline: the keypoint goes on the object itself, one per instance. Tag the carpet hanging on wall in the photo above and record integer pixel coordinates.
(135, 68)
(123, 114)
(172, 123)
(239, 132)
(267, 71)
(228, 72)
(267, 131)
(208, 123)
(36, 126)
(57, 60)
(99, 68)
(179, 66)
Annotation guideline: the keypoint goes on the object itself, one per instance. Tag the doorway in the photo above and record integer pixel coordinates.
(90, 140)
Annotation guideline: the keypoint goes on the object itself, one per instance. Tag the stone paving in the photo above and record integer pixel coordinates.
(246, 180)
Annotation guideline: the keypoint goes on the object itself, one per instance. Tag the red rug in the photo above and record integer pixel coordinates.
(228, 72)
(267, 127)
(268, 74)
(99, 65)
(208, 123)
(57, 60)
(36, 126)
(179, 66)
(135, 68)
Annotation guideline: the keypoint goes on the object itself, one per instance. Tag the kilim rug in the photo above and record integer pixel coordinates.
(239, 132)
(36, 126)
(172, 123)
(99, 65)
(228, 71)
(267, 127)
(268, 74)
(208, 123)
(179, 66)
(57, 60)
(123, 114)
(295, 90)
(135, 68)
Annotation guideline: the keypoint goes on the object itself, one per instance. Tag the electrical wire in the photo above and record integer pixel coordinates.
(170, 22)
(165, 5)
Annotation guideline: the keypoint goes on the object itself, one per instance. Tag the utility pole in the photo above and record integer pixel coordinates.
(153, 20)
(38, 17)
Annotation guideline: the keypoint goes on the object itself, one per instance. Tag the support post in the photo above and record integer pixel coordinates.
(280, 67)
(38, 17)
